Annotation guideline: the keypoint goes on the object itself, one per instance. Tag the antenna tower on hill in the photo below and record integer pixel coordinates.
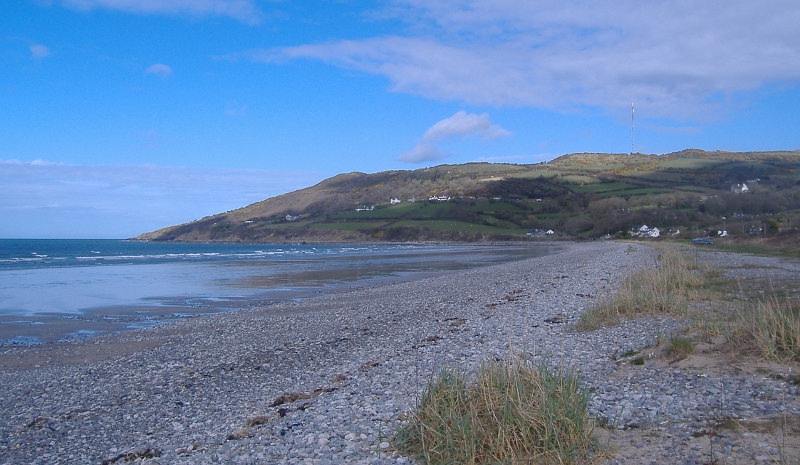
(632, 128)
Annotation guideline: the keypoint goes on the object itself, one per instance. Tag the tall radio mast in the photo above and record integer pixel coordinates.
(632, 128)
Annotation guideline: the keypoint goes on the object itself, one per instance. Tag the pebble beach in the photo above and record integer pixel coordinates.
(328, 380)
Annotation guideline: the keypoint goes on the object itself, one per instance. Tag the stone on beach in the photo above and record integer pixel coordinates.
(329, 379)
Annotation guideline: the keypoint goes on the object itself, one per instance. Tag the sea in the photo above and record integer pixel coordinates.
(67, 289)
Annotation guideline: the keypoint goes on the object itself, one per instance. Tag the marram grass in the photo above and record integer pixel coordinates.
(681, 346)
(665, 288)
(772, 327)
(513, 412)
(769, 326)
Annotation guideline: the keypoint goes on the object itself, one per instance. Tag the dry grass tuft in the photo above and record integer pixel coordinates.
(680, 346)
(771, 326)
(512, 413)
(664, 289)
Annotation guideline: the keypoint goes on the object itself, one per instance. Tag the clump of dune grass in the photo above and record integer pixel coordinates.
(680, 346)
(513, 412)
(772, 327)
(665, 288)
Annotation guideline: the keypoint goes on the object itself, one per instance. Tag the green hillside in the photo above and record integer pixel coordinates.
(584, 195)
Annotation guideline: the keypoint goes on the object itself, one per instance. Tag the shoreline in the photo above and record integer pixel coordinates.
(46, 353)
(85, 306)
(327, 380)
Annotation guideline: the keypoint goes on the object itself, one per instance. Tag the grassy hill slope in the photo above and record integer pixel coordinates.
(578, 195)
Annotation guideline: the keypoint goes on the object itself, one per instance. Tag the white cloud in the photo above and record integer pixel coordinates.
(47, 199)
(461, 124)
(242, 10)
(674, 58)
(423, 152)
(159, 69)
(465, 124)
(39, 51)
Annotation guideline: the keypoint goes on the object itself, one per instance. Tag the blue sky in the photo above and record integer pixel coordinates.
(123, 116)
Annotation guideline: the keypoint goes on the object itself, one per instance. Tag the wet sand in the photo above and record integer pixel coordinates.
(258, 289)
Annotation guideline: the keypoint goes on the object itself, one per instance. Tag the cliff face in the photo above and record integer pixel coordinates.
(575, 195)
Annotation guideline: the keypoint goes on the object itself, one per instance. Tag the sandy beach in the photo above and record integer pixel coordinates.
(328, 380)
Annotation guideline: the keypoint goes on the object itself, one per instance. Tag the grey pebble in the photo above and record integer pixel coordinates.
(360, 360)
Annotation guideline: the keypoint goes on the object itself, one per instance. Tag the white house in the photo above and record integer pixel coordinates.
(645, 231)
(740, 188)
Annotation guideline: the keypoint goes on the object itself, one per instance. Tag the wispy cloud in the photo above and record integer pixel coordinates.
(39, 51)
(47, 199)
(675, 58)
(465, 124)
(460, 125)
(159, 69)
(245, 11)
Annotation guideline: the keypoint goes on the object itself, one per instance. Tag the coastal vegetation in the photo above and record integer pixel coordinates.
(764, 323)
(771, 326)
(512, 412)
(684, 194)
(664, 288)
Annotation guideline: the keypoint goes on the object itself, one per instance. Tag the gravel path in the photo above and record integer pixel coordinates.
(328, 380)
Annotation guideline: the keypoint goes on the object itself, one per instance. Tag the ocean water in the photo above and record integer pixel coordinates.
(66, 289)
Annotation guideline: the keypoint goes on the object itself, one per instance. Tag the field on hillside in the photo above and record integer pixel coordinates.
(686, 194)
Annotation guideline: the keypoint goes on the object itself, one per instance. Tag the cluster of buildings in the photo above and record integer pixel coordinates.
(645, 231)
